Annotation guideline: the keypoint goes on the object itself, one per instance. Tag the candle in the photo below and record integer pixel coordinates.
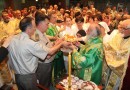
(69, 80)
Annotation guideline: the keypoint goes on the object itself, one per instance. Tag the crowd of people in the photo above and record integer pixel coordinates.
(33, 39)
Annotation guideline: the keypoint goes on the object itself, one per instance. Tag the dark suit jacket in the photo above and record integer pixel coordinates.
(126, 81)
(3, 53)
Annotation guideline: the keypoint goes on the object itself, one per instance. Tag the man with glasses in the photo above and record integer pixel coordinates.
(117, 52)
(125, 30)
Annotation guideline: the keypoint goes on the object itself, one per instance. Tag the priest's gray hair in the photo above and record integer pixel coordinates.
(94, 30)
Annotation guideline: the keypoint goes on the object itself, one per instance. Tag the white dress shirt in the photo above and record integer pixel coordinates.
(24, 54)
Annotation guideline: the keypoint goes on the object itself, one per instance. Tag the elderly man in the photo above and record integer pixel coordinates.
(88, 61)
(117, 52)
(125, 30)
(24, 54)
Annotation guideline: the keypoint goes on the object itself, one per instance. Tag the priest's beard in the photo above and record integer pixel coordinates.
(93, 33)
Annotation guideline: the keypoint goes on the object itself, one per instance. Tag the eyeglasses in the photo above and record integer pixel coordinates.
(125, 28)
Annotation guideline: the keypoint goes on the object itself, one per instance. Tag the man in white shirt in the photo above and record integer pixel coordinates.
(24, 54)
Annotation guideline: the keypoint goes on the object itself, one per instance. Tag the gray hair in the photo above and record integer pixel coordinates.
(94, 30)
